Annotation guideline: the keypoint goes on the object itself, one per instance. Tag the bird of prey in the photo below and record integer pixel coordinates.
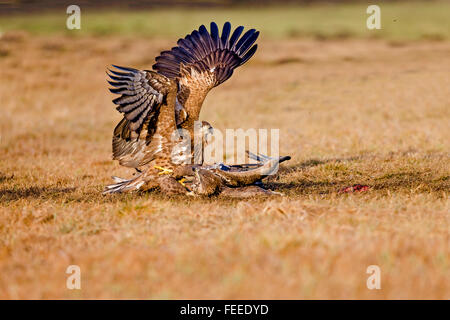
(236, 180)
(157, 102)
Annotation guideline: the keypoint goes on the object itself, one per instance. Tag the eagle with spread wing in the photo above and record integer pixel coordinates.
(157, 102)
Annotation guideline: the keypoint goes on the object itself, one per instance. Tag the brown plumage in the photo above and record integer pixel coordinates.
(155, 103)
(235, 181)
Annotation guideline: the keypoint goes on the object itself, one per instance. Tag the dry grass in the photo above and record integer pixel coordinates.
(350, 111)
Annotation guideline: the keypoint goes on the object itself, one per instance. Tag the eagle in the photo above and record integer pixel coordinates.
(157, 102)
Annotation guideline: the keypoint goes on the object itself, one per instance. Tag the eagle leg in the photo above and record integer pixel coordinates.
(170, 171)
(182, 182)
(170, 186)
(163, 170)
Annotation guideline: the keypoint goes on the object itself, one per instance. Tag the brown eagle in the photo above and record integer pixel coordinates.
(156, 103)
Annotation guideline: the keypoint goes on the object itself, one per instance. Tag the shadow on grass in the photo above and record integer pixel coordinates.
(317, 162)
(289, 181)
(69, 195)
(306, 186)
(32, 192)
(303, 187)
(400, 180)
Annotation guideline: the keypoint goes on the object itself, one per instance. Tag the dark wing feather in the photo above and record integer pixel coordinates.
(141, 93)
(133, 152)
(210, 54)
(225, 34)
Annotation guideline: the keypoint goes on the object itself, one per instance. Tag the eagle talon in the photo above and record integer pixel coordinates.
(163, 170)
(181, 181)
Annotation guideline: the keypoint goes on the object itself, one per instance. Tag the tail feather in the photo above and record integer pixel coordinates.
(263, 158)
(118, 179)
(123, 185)
(209, 51)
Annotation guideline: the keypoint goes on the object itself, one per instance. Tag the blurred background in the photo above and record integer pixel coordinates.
(283, 18)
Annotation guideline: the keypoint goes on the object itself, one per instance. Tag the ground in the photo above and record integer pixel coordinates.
(350, 110)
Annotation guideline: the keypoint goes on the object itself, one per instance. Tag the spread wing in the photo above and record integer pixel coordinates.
(203, 60)
(141, 94)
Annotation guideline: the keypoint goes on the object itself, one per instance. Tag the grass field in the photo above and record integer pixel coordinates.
(353, 109)
(407, 20)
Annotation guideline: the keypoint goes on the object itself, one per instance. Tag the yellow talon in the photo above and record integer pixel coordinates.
(181, 181)
(163, 170)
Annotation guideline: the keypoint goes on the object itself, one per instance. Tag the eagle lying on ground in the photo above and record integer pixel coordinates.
(157, 102)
